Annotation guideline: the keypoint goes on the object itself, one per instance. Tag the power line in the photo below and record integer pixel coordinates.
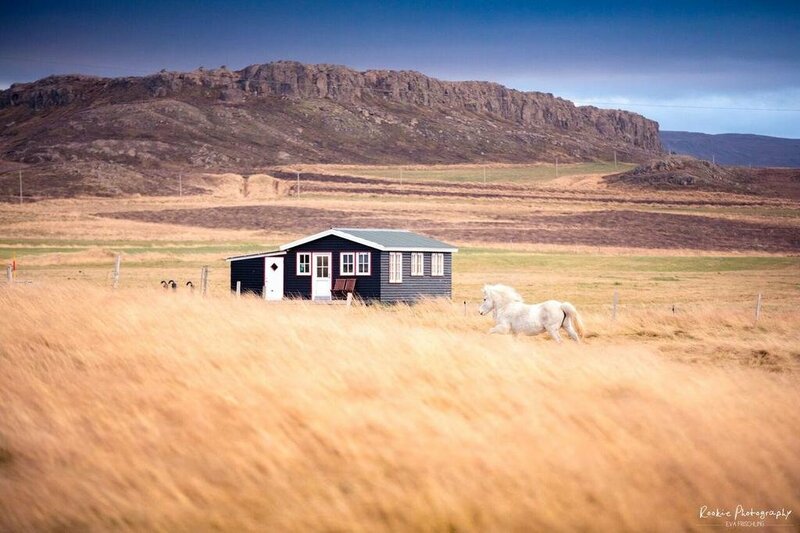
(677, 106)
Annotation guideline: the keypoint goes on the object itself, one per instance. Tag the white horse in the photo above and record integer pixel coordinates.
(511, 315)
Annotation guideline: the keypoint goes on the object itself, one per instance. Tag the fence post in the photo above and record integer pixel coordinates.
(758, 307)
(10, 274)
(238, 288)
(204, 280)
(614, 305)
(116, 270)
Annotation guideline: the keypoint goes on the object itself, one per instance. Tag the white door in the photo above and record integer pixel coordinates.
(273, 278)
(321, 277)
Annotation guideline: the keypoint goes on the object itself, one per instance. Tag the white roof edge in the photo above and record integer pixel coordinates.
(254, 256)
(333, 231)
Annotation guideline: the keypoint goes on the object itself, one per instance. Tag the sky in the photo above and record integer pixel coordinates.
(715, 67)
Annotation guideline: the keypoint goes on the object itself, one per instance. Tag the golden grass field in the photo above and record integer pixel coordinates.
(147, 410)
(143, 409)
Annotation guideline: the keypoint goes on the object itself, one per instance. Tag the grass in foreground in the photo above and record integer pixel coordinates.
(143, 410)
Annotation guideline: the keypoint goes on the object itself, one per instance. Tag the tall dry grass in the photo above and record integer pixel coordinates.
(146, 410)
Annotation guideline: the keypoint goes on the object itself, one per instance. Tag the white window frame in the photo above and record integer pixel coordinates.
(395, 267)
(437, 264)
(417, 264)
(297, 266)
(352, 264)
(359, 255)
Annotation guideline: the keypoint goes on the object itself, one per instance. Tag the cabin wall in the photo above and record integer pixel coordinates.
(414, 287)
(250, 272)
(367, 287)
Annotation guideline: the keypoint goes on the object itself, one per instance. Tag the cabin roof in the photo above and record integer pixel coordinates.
(271, 253)
(392, 240)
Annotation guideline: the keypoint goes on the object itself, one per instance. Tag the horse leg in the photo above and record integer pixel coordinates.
(501, 328)
(571, 330)
(553, 331)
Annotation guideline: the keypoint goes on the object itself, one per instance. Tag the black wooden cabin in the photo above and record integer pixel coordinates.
(380, 264)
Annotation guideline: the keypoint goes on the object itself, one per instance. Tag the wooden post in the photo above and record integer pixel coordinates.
(204, 281)
(180, 185)
(484, 175)
(20, 187)
(238, 288)
(614, 305)
(116, 270)
(298, 184)
(556, 167)
(465, 308)
(758, 307)
(615, 159)
(10, 274)
(349, 299)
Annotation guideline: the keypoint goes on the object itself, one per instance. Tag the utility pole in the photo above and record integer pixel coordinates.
(20, 187)
(180, 185)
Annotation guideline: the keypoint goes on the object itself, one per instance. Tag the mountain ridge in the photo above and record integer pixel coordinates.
(123, 135)
(741, 149)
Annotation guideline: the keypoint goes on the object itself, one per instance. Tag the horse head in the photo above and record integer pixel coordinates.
(495, 297)
(488, 300)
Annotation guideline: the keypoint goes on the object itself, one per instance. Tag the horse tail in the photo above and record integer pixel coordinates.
(573, 315)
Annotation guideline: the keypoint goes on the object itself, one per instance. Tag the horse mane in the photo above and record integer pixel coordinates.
(502, 295)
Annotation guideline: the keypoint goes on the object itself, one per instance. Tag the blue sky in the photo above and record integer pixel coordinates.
(715, 67)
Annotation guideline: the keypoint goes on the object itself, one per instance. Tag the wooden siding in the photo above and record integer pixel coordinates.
(250, 272)
(367, 287)
(414, 287)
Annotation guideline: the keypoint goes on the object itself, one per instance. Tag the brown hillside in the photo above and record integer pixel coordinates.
(684, 172)
(107, 136)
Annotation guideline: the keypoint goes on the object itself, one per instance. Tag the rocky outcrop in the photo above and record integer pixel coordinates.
(683, 172)
(294, 80)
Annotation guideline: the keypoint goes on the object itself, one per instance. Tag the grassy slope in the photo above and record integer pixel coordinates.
(494, 173)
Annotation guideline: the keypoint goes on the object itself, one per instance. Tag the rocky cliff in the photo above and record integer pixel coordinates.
(285, 112)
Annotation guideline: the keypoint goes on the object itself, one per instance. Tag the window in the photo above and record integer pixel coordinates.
(437, 264)
(363, 266)
(395, 267)
(303, 264)
(323, 268)
(417, 264)
(347, 264)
